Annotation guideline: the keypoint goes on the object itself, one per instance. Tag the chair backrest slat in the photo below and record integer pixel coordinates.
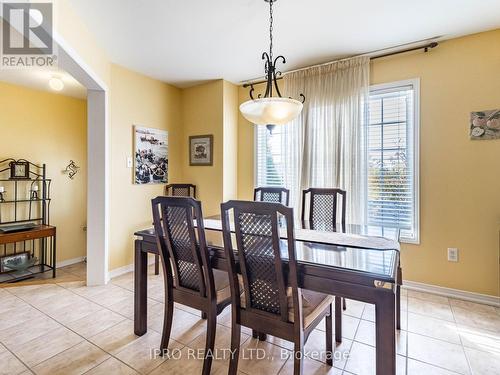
(183, 247)
(257, 230)
(181, 190)
(322, 206)
(272, 195)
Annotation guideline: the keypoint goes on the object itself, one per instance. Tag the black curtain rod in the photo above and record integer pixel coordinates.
(425, 47)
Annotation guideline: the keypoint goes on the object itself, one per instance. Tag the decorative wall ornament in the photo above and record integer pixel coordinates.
(485, 124)
(151, 155)
(201, 149)
(71, 169)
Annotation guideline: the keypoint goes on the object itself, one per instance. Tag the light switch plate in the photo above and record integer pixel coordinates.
(452, 254)
(129, 162)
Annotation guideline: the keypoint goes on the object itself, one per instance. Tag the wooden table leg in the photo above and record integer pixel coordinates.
(338, 319)
(140, 290)
(54, 256)
(385, 319)
(157, 264)
(398, 298)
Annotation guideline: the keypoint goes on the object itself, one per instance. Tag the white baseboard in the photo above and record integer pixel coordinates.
(453, 293)
(125, 269)
(69, 262)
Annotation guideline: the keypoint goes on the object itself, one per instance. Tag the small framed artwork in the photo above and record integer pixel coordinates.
(201, 148)
(19, 170)
(485, 124)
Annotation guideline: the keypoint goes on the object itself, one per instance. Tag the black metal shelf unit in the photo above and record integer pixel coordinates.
(26, 200)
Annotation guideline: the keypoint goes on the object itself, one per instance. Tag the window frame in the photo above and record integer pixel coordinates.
(415, 83)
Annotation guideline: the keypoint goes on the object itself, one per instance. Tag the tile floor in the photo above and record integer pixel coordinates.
(68, 328)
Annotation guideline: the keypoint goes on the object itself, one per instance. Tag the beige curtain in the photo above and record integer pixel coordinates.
(325, 145)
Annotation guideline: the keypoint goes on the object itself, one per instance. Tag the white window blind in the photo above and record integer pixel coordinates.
(392, 180)
(269, 167)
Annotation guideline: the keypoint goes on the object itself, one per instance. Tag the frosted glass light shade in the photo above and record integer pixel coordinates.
(271, 111)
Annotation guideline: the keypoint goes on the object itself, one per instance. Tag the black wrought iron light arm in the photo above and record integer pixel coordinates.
(272, 73)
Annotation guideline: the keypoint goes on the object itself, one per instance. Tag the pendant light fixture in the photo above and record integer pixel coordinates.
(269, 109)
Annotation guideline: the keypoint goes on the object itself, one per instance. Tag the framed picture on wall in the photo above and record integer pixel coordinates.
(201, 148)
(150, 155)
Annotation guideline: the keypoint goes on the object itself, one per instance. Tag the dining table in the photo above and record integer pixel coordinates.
(358, 262)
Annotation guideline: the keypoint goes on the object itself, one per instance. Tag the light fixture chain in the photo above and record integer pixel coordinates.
(271, 29)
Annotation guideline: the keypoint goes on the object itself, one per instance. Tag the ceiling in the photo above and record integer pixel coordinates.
(187, 42)
(38, 79)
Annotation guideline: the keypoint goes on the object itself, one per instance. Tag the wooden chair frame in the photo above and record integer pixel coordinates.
(170, 190)
(321, 191)
(260, 191)
(205, 299)
(261, 321)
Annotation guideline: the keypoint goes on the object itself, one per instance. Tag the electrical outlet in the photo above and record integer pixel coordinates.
(452, 254)
(129, 162)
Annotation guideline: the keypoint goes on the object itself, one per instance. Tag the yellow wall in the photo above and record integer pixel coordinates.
(202, 113)
(51, 129)
(137, 100)
(230, 141)
(460, 178)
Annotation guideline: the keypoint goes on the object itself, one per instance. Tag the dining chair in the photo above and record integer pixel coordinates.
(322, 207)
(188, 275)
(176, 190)
(267, 281)
(271, 194)
(180, 190)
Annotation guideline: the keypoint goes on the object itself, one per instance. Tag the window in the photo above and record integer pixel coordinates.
(392, 158)
(392, 187)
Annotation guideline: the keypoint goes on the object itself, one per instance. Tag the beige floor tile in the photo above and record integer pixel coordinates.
(185, 326)
(125, 307)
(112, 366)
(362, 361)
(349, 326)
(24, 332)
(9, 364)
(315, 348)
(94, 323)
(420, 368)
(186, 362)
(261, 358)
(114, 339)
(20, 314)
(432, 309)
(366, 335)
(429, 297)
(60, 306)
(42, 348)
(140, 353)
(477, 319)
(436, 328)
(222, 342)
(74, 361)
(354, 308)
(476, 307)
(484, 363)
(187, 309)
(79, 308)
(438, 353)
(311, 367)
(9, 302)
(111, 296)
(479, 339)
(124, 281)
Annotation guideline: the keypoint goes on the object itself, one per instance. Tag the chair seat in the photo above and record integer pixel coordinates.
(221, 281)
(313, 304)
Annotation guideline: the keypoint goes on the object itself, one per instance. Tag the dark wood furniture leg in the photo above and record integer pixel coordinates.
(140, 290)
(210, 341)
(338, 319)
(398, 298)
(235, 347)
(385, 316)
(54, 256)
(157, 264)
(344, 304)
(329, 338)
